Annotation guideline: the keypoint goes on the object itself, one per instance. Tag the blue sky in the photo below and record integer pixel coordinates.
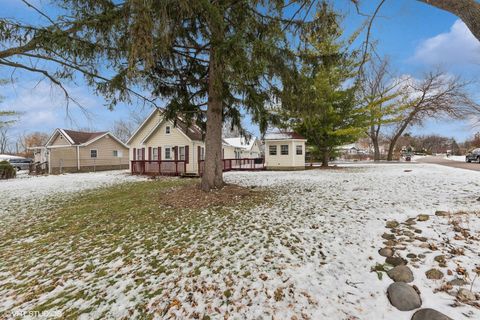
(415, 37)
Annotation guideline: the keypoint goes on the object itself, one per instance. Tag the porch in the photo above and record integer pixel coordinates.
(159, 167)
(246, 164)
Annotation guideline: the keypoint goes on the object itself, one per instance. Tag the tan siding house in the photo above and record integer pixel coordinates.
(76, 151)
(284, 151)
(160, 139)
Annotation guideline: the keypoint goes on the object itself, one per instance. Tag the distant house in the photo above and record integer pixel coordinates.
(77, 151)
(240, 147)
(284, 151)
(165, 147)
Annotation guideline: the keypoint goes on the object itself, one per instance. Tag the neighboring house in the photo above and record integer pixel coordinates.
(77, 151)
(284, 151)
(179, 147)
(241, 147)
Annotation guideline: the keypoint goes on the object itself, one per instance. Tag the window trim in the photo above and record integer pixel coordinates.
(96, 154)
(270, 150)
(297, 150)
(170, 149)
(115, 154)
(282, 150)
(168, 130)
(154, 156)
(180, 148)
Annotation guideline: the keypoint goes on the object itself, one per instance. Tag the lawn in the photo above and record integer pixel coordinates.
(287, 245)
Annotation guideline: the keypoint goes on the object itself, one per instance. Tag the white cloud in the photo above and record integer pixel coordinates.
(456, 47)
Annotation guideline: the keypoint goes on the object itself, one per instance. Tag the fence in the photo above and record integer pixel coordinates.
(159, 167)
(250, 164)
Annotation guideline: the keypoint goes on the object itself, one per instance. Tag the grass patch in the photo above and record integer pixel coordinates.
(132, 239)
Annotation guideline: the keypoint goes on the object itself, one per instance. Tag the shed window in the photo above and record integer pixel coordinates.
(93, 153)
(115, 153)
(167, 129)
(272, 150)
(284, 149)
(299, 149)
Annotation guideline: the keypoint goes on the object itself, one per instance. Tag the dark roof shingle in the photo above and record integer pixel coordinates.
(80, 137)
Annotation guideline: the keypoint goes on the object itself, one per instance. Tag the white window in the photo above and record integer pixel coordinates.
(299, 149)
(155, 154)
(168, 153)
(139, 154)
(181, 153)
(202, 153)
(272, 150)
(284, 149)
(93, 153)
(167, 130)
(115, 153)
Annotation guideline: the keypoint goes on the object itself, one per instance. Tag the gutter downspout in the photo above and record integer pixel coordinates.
(49, 162)
(78, 158)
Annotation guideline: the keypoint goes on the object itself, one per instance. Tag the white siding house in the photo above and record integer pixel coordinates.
(284, 151)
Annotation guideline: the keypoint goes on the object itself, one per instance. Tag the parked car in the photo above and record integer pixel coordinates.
(20, 164)
(473, 155)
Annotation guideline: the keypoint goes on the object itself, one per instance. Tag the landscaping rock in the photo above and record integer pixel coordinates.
(386, 252)
(440, 258)
(389, 243)
(392, 224)
(411, 255)
(410, 221)
(388, 236)
(422, 256)
(423, 217)
(396, 261)
(429, 314)
(401, 273)
(434, 274)
(403, 297)
(418, 231)
(441, 213)
(465, 295)
(457, 282)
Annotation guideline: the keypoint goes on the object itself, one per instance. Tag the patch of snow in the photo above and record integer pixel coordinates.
(455, 158)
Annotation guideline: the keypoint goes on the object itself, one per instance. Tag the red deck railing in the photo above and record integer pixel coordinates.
(250, 164)
(159, 167)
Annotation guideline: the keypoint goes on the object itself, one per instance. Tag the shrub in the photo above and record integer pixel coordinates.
(7, 171)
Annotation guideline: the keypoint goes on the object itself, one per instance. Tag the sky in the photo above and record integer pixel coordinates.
(416, 38)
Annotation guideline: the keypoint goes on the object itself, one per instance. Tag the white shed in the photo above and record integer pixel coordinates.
(284, 151)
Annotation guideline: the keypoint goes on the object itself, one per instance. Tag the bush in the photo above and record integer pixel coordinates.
(7, 171)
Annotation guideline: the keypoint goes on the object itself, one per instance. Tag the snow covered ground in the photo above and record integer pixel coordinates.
(455, 158)
(26, 193)
(306, 253)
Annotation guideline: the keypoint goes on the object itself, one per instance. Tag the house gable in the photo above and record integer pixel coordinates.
(146, 127)
(59, 138)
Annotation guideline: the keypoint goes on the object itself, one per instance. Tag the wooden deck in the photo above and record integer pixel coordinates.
(243, 164)
(159, 167)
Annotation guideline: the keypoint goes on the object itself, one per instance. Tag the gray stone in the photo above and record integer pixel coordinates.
(403, 297)
(421, 239)
(401, 273)
(465, 295)
(392, 224)
(386, 252)
(423, 217)
(440, 213)
(411, 255)
(429, 314)
(388, 236)
(434, 274)
(457, 282)
(396, 261)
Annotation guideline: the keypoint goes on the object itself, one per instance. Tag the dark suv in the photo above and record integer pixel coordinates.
(20, 164)
(473, 155)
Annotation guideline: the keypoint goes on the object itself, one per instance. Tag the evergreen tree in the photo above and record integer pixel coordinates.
(319, 104)
(210, 59)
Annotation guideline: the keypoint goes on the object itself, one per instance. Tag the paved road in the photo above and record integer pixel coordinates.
(450, 163)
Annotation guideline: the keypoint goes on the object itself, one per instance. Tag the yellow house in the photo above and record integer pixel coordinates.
(284, 151)
(77, 151)
(165, 147)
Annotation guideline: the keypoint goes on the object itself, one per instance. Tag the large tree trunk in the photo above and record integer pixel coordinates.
(467, 10)
(325, 158)
(213, 168)
(376, 149)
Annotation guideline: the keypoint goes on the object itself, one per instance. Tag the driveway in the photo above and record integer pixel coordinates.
(450, 163)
